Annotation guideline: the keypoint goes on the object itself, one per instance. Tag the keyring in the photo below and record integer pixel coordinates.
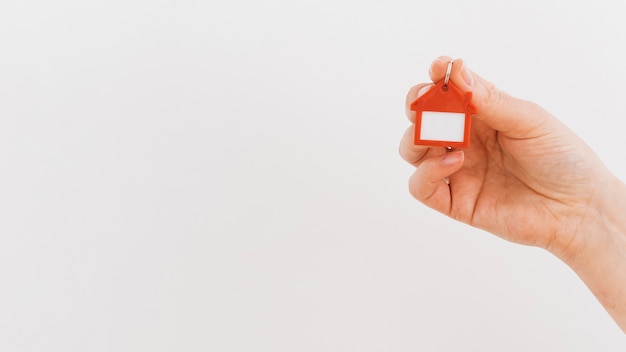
(448, 71)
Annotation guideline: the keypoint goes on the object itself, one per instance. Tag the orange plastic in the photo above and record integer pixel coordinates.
(442, 98)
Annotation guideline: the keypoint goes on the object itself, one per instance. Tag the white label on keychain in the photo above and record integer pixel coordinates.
(442, 126)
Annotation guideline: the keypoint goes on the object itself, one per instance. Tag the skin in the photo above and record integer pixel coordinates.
(528, 179)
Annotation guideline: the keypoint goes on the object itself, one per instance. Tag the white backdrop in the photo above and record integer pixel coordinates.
(186, 175)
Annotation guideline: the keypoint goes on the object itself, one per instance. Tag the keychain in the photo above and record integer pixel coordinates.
(443, 115)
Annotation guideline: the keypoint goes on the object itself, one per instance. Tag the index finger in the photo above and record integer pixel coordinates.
(418, 90)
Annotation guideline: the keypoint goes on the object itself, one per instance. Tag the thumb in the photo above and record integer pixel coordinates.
(514, 117)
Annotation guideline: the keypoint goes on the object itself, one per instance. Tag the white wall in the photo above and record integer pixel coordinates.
(186, 175)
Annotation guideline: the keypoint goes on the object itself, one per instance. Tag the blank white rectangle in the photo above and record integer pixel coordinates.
(442, 126)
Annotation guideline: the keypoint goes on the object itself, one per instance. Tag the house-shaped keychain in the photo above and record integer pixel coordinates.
(443, 116)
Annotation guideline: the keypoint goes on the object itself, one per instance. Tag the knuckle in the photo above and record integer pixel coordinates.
(419, 186)
(414, 189)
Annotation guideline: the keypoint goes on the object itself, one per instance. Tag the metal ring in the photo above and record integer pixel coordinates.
(448, 71)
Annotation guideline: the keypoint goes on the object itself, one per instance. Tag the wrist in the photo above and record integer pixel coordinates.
(597, 250)
(593, 224)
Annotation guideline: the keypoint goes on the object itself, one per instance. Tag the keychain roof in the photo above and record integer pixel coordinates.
(443, 115)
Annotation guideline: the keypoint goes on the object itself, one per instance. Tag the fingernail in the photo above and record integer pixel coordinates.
(452, 158)
(423, 90)
(467, 75)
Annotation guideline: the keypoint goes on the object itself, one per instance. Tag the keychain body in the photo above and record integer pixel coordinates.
(443, 116)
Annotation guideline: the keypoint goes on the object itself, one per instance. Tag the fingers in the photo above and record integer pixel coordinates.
(514, 117)
(428, 183)
(414, 154)
(414, 93)
(410, 152)
(460, 75)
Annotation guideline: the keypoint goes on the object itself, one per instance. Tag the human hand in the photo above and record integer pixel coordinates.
(526, 177)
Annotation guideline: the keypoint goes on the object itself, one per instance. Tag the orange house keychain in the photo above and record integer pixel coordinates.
(443, 115)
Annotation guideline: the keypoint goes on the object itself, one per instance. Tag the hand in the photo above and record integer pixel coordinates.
(526, 176)
(528, 179)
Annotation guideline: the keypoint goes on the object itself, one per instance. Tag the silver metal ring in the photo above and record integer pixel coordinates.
(448, 71)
